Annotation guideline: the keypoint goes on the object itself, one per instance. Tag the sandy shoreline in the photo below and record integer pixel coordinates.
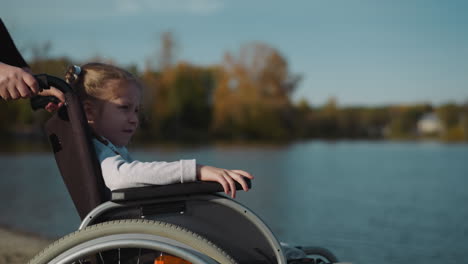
(17, 247)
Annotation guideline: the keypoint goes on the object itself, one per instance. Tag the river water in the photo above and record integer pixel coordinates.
(368, 202)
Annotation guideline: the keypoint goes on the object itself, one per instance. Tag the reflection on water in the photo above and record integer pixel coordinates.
(368, 202)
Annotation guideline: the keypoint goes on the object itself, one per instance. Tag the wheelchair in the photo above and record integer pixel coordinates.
(178, 223)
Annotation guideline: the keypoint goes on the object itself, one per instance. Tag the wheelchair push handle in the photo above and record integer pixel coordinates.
(45, 81)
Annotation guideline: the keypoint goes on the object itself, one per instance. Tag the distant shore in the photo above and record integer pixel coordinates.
(18, 247)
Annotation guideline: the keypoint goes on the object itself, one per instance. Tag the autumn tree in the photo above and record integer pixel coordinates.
(252, 97)
(452, 118)
(154, 108)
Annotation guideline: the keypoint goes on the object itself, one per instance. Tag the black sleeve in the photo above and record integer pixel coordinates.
(9, 54)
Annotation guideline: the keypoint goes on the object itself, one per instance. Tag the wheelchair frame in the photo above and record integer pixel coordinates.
(202, 227)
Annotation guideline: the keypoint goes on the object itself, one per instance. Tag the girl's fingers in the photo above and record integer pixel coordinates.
(240, 179)
(227, 178)
(221, 180)
(244, 173)
(231, 182)
(51, 107)
(57, 93)
(52, 91)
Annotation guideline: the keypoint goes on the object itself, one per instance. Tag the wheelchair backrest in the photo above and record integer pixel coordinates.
(70, 137)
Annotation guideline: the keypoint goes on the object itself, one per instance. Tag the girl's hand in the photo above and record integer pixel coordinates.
(226, 178)
(52, 91)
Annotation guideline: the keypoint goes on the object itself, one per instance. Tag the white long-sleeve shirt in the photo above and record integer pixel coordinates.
(120, 171)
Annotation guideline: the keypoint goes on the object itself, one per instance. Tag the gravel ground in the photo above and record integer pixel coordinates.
(18, 247)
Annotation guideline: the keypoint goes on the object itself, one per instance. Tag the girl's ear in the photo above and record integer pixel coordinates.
(90, 111)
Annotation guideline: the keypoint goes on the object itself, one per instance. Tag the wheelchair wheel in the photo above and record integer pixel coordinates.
(131, 241)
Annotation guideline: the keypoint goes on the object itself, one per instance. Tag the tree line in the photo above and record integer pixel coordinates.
(247, 97)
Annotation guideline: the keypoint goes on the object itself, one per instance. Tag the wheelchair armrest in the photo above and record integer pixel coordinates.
(158, 191)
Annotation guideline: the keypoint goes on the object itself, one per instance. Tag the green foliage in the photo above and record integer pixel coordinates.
(403, 123)
(181, 101)
(449, 114)
(56, 67)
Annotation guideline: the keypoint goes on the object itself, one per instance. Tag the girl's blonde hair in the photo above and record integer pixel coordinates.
(91, 81)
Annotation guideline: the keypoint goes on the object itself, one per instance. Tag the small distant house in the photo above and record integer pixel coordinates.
(429, 124)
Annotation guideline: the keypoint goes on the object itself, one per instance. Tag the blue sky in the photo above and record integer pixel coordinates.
(361, 52)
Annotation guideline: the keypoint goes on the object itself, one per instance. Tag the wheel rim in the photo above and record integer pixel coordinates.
(126, 231)
(112, 242)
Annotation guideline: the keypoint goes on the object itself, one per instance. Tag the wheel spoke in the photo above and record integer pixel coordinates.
(139, 254)
(102, 259)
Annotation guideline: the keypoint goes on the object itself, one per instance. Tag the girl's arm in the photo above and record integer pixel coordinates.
(119, 173)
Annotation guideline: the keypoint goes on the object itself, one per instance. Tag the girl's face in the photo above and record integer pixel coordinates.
(116, 119)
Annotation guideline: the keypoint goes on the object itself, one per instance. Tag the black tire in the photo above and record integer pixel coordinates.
(115, 230)
(318, 254)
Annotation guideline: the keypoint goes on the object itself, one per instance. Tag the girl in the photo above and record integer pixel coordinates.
(111, 99)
